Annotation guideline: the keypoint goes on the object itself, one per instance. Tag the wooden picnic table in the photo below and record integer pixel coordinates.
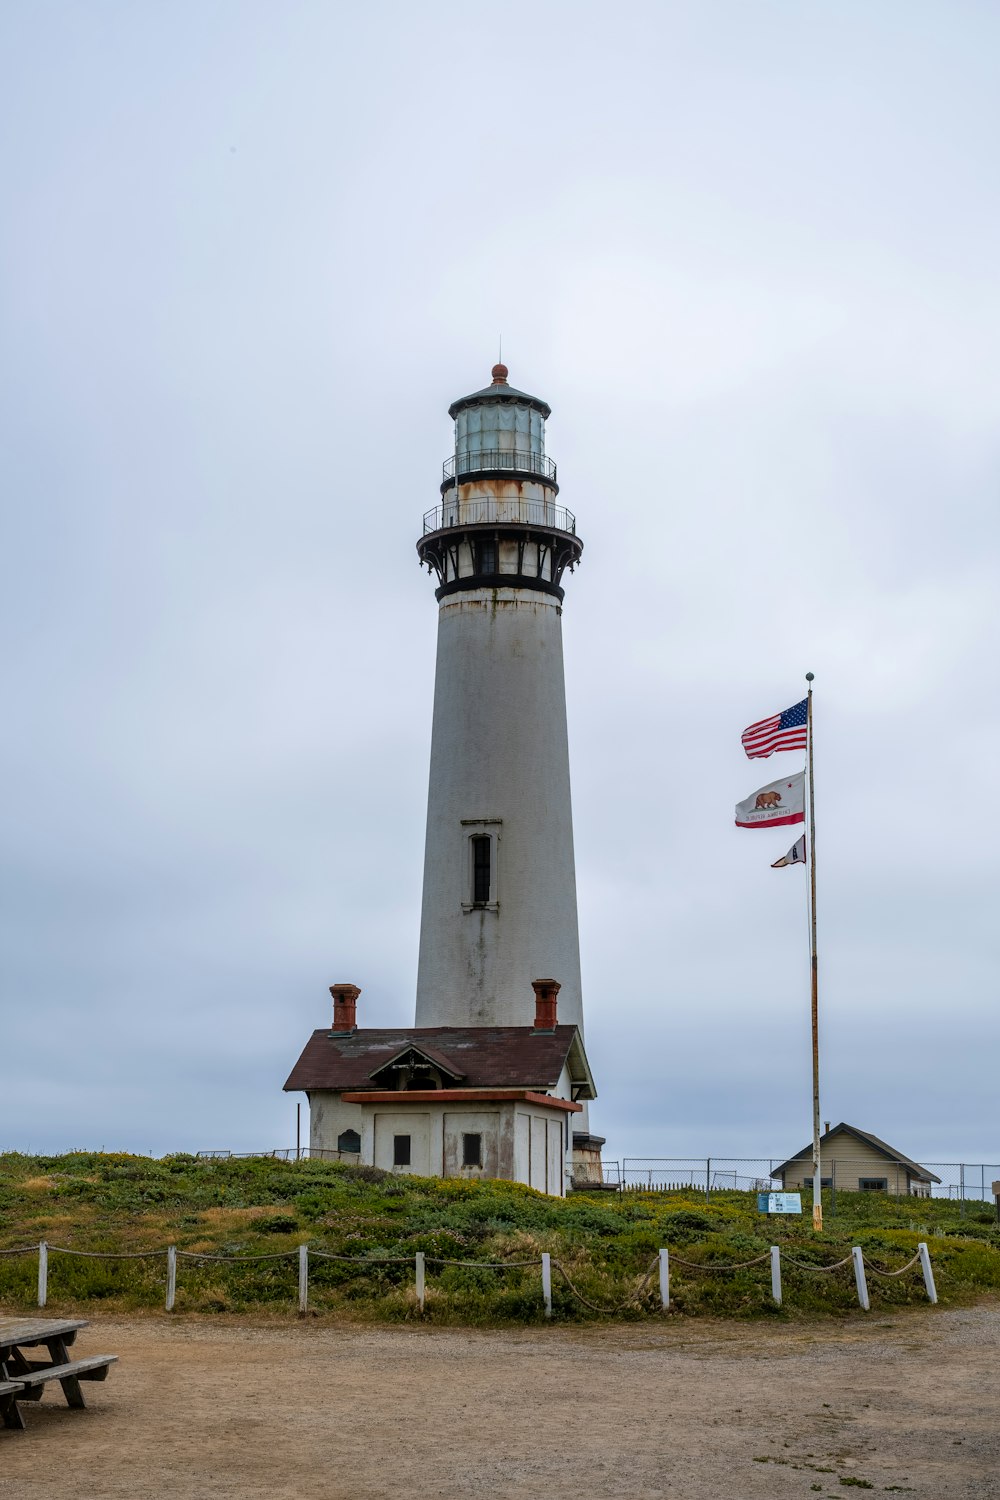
(23, 1378)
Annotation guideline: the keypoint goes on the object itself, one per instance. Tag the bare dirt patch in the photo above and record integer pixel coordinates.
(205, 1408)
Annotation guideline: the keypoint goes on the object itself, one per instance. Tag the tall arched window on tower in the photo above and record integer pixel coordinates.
(482, 841)
(482, 868)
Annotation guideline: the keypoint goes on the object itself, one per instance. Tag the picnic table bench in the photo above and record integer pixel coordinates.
(24, 1379)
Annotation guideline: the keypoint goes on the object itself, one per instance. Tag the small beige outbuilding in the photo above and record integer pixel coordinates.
(857, 1161)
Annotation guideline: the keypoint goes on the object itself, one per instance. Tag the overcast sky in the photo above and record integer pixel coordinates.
(250, 252)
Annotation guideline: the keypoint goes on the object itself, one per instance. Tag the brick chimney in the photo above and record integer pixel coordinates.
(546, 991)
(345, 1007)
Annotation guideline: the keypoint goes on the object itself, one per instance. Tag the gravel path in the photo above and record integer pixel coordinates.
(199, 1409)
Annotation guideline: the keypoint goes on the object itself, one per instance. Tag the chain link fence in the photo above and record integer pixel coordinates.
(962, 1181)
(965, 1182)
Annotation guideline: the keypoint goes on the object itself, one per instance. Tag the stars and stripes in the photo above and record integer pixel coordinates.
(784, 731)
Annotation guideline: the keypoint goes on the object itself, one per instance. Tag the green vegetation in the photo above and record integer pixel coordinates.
(606, 1244)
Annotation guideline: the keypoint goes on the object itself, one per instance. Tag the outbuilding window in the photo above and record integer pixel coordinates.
(348, 1140)
(472, 1150)
(873, 1184)
(401, 1150)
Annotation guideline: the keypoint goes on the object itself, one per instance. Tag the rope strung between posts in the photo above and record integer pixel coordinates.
(486, 1265)
(364, 1260)
(633, 1296)
(21, 1250)
(801, 1265)
(739, 1265)
(105, 1254)
(196, 1255)
(880, 1272)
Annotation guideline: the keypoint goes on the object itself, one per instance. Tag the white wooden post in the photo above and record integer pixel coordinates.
(859, 1276)
(547, 1283)
(925, 1266)
(171, 1276)
(664, 1279)
(43, 1274)
(776, 1274)
(303, 1279)
(421, 1280)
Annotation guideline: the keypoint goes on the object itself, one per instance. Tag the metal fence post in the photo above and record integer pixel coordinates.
(303, 1279)
(961, 1188)
(859, 1276)
(925, 1266)
(421, 1280)
(171, 1276)
(664, 1279)
(708, 1179)
(776, 1274)
(43, 1273)
(547, 1283)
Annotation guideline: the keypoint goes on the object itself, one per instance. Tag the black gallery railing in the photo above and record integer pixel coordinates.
(489, 509)
(520, 460)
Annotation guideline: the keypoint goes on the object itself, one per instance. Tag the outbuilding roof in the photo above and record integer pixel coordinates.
(889, 1152)
(504, 1057)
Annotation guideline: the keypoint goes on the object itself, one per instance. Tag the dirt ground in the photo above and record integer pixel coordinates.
(198, 1409)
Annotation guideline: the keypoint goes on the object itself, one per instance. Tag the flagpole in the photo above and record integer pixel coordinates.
(813, 967)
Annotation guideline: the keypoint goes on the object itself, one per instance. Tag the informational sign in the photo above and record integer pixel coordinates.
(779, 1203)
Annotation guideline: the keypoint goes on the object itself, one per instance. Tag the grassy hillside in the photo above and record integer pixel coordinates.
(605, 1243)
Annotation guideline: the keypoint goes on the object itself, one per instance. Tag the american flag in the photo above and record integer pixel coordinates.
(784, 731)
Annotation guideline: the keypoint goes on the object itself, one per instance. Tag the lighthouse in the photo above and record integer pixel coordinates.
(499, 891)
(493, 1079)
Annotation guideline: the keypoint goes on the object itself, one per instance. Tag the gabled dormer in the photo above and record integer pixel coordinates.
(417, 1067)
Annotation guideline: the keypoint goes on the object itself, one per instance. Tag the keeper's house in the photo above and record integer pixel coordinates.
(448, 1101)
(856, 1161)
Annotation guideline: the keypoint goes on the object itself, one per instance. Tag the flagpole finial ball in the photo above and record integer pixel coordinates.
(809, 677)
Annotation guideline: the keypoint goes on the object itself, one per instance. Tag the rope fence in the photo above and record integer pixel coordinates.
(631, 1300)
(804, 1265)
(706, 1265)
(420, 1261)
(881, 1271)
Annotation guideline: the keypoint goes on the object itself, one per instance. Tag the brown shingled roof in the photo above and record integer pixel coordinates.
(482, 1056)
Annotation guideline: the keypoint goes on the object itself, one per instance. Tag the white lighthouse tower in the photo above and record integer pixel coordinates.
(493, 1079)
(499, 896)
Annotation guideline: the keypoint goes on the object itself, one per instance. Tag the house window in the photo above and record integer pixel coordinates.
(401, 1150)
(873, 1184)
(348, 1140)
(481, 869)
(472, 1150)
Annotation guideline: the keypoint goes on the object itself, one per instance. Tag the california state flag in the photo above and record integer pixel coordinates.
(778, 803)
